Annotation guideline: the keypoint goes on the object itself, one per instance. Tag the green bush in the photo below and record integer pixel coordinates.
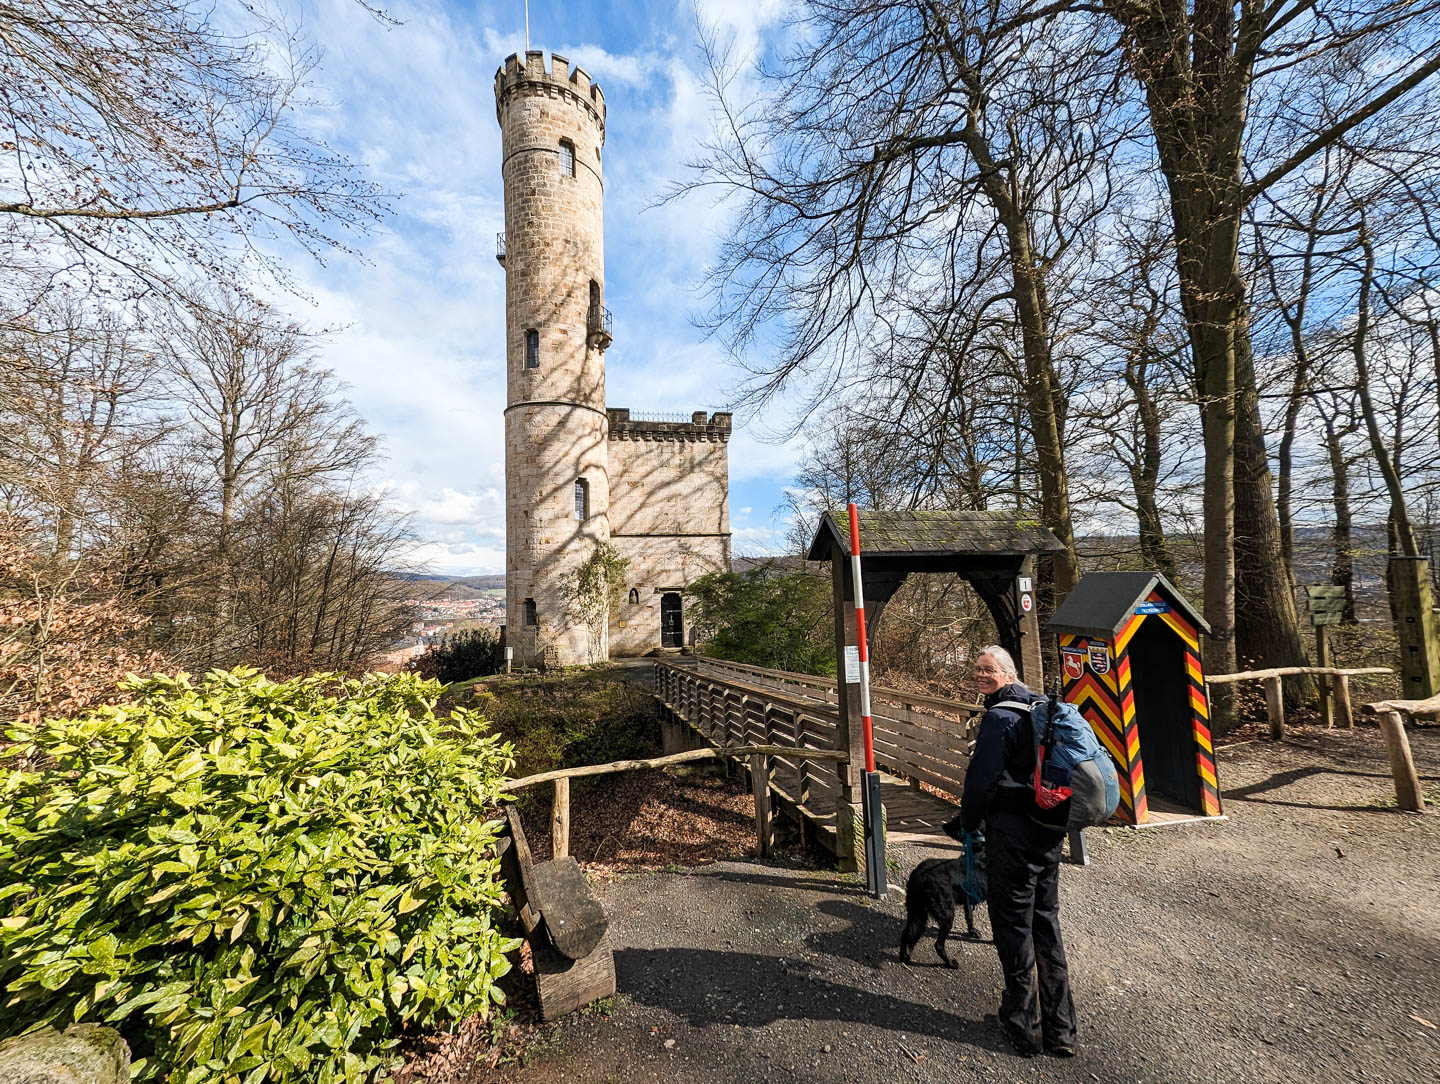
(254, 881)
(766, 617)
(469, 653)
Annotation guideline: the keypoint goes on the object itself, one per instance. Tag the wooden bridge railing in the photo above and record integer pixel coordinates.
(757, 754)
(921, 737)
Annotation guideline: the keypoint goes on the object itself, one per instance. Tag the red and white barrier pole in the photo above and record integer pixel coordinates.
(860, 638)
(872, 809)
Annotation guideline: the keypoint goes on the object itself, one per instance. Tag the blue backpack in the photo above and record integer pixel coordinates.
(1075, 783)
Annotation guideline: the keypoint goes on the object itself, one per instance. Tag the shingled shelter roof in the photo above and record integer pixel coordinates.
(1102, 602)
(934, 533)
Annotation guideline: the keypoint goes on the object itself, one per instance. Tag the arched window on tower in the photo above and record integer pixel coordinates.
(567, 158)
(532, 349)
(594, 295)
(582, 499)
(634, 596)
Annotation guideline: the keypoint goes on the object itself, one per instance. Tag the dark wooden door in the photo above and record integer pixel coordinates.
(672, 628)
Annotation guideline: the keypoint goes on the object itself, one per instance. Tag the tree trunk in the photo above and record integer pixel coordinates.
(1145, 477)
(1342, 571)
(1401, 530)
(1041, 391)
(1266, 623)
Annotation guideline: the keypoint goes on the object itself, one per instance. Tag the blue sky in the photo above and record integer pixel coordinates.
(420, 324)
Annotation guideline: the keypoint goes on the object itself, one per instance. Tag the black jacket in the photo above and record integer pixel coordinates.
(1006, 740)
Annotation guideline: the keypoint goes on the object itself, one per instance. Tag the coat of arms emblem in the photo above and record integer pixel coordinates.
(1099, 656)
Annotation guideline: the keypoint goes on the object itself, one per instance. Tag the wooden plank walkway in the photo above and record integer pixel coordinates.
(913, 816)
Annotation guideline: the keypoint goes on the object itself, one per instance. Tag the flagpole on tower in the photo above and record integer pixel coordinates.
(527, 25)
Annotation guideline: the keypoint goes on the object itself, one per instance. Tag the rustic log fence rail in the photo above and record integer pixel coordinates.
(1336, 678)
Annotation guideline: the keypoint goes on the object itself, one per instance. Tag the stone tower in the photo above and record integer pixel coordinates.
(557, 494)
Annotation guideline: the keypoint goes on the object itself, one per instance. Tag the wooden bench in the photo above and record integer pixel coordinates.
(1391, 715)
(564, 923)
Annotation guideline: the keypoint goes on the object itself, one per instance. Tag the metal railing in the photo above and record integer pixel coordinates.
(500, 247)
(600, 321)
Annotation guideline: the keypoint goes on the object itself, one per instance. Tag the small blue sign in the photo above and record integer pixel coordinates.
(1153, 608)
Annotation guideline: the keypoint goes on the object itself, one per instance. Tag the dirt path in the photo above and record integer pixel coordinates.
(1297, 942)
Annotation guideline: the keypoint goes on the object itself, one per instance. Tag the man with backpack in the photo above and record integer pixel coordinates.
(1023, 862)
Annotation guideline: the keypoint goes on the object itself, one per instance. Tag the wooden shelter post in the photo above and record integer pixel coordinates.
(1031, 659)
(850, 736)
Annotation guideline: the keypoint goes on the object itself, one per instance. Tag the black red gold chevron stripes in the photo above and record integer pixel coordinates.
(1108, 702)
(1097, 698)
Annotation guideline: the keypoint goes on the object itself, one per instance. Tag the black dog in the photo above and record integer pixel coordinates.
(930, 893)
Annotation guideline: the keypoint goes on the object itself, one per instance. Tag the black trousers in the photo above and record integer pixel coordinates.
(1023, 872)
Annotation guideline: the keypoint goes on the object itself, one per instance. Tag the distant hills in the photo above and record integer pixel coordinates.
(452, 587)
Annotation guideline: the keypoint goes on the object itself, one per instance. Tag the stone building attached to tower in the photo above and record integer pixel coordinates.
(576, 473)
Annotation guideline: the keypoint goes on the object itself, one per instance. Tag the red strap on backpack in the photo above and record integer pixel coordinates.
(1047, 797)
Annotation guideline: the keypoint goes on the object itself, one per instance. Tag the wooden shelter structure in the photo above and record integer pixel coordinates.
(994, 552)
(1130, 661)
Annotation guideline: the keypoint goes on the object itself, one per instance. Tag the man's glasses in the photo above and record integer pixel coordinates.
(983, 670)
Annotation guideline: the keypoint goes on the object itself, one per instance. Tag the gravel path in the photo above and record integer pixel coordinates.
(1299, 941)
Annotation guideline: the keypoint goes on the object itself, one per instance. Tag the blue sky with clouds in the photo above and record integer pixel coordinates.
(420, 336)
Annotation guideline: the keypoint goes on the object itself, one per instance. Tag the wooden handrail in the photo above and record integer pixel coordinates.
(790, 751)
(1275, 693)
(877, 692)
(1293, 671)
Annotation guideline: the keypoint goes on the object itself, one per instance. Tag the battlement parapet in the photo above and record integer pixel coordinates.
(700, 428)
(529, 76)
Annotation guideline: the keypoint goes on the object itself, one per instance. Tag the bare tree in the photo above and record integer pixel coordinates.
(149, 141)
(905, 136)
(1208, 72)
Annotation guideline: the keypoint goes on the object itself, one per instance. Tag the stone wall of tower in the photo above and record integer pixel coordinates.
(669, 516)
(556, 431)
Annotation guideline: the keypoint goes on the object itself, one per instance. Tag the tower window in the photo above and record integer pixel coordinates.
(582, 499)
(567, 158)
(532, 349)
(634, 597)
(530, 618)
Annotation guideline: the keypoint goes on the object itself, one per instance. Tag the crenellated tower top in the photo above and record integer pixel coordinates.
(529, 76)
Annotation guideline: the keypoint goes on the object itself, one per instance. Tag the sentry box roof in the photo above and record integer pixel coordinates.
(1102, 602)
(933, 533)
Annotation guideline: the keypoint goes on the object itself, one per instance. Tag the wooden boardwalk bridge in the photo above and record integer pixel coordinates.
(918, 740)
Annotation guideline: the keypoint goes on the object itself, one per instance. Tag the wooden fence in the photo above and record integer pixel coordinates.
(920, 737)
(1336, 704)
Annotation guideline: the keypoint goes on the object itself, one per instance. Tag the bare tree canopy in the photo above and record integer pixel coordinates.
(149, 141)
(1102, 205)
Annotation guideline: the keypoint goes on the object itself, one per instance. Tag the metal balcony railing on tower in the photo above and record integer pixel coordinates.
(500, 248)
(600, 328)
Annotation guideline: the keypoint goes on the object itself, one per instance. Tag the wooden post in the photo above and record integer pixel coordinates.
(1402, 764)
(560, 819)
(1413, 604)
(760, 785)
(1275, 706)
(1341, 689)
(1030, 660)
(1326, 684)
